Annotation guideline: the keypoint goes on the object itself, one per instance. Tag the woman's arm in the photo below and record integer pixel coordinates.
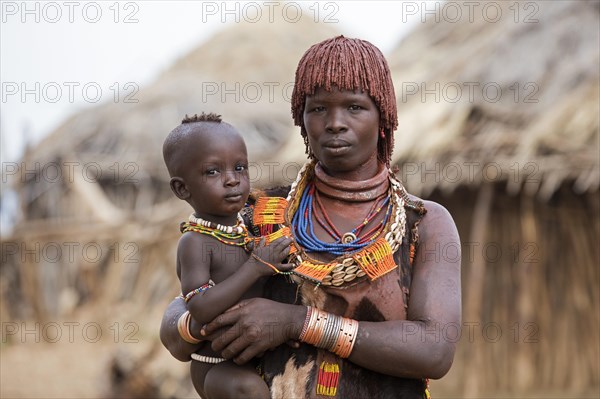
(420, 347)
(169, 335)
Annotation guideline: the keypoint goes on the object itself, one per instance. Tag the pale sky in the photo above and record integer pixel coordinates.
(57, 58)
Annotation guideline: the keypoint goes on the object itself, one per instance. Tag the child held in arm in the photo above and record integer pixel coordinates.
(208, 165)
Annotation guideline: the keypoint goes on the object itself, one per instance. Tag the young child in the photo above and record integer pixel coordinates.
(208, 165)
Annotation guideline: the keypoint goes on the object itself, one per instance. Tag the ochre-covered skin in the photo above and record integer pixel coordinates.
(345, 106)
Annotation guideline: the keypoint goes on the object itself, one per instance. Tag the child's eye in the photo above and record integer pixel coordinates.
(241, 168)
(212, 172)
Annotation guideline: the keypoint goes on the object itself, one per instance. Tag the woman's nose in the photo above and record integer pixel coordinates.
(335, 121)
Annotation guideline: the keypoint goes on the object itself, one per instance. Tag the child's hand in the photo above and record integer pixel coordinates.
(269, 257)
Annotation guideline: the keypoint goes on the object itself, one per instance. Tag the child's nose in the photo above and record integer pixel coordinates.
(231, 178)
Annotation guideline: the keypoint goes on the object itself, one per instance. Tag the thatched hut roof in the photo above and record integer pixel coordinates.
(516, 95)
(113, 194)
(244, 73)
(515, 102)
(249, 64)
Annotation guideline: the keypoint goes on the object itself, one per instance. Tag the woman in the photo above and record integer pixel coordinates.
(368, 252)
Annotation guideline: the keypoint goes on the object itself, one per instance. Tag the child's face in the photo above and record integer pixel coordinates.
(216, 175)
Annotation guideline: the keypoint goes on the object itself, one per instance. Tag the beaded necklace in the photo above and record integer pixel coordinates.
(373, 259)
(306, 237)
(351, 236)
(229, 235)
(238, 228)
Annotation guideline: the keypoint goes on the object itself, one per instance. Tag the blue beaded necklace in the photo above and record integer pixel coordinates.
(304, 229)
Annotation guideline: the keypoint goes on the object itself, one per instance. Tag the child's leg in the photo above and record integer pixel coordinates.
(198, 371)
(227, 380)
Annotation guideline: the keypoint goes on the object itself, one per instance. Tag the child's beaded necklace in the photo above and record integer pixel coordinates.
(229, 235)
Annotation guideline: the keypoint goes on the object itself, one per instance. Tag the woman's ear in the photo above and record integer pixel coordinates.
(179, 188)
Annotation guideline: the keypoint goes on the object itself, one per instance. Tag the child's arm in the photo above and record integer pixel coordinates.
(195, 254)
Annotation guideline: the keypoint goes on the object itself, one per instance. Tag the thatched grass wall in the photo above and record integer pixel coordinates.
(530, 284)
(518, 168)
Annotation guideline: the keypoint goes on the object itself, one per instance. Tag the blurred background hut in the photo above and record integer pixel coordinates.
(499, 122)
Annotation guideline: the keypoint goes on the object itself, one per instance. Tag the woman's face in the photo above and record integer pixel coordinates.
(342, 128)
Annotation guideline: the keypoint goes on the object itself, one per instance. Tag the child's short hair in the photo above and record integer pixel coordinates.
(349, 64)
(174, 143)
(210, 117)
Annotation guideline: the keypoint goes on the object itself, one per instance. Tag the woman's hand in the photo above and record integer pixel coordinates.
(253, 326)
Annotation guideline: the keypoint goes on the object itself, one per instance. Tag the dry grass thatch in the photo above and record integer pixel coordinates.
(520, 174)
(522, 97)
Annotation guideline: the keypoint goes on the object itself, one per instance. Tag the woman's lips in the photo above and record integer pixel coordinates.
(336, 147)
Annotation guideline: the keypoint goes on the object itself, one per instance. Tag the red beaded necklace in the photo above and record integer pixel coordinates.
(325, 221)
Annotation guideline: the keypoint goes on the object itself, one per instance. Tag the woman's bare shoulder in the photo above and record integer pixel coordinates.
(437, 220)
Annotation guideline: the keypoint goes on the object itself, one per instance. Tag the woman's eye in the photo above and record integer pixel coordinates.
(355, 107)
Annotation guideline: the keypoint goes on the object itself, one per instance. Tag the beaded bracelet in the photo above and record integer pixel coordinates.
(264, 262)
(197, 291)
(183, 326)
(305, 326)
(328, 331)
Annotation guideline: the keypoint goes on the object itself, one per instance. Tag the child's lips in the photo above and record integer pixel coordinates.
(233, 197)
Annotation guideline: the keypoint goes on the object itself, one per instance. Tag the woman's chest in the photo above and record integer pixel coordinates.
(378, 300)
